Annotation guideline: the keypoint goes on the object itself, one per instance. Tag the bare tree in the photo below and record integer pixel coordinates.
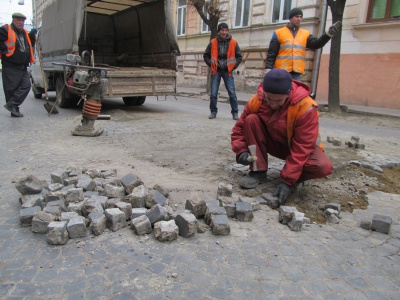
(337, 8)
(210, 12)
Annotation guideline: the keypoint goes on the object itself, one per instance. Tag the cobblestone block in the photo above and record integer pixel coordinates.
(230, 209)
(115, 219)
(365, 224)
(137, 212)
(138, 196)
(66, 216)
(54, 187)
(86, 183)
(98, 223)
(220, 225)
(244, 211)
(111, 202)
(330, 211)
(381, 223)
(335, 206)
(161, 189)
(91, 206)
(197, 206)
(26, 215)
(55, 207)
(213, 208)
(187, 224)
(254, 204)
(58, 177)
(261, 200)
(126, 208)
(29, 185)
(286, 213)
(166, 231)
(272, 201)
(75, 173)
(40, 222)
(54, 197)
(76, 228)
(157, 213)
(57, 233)
(108, 173)
(141, 225)
(70, 181)
(114, 191)
(76, 207)
(296, 223)
(102, 199)
(74, 195)
(155, 197)
(32, 200)
(224, 190)
(129, 182)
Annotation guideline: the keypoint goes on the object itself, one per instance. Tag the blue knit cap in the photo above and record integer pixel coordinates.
(277, 81)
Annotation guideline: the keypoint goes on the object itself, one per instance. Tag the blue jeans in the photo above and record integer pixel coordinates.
(230, 87)
(296, 76)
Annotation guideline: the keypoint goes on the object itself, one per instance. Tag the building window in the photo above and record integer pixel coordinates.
(281, 9)
(181, 26)
(242, 12)
(204, 26)
(383, 10)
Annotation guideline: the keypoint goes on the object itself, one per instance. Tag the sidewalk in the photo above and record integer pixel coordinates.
(193, 92)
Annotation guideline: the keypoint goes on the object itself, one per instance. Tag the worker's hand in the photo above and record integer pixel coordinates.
(335, 28)
(282, 192)
(243, 158)
(33, 31)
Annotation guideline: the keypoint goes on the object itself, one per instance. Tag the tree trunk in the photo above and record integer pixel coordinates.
(337, 8)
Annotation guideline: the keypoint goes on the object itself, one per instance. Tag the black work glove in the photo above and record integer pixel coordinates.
(33, 31)
(335, 28)
(282, 192)
(243, 158)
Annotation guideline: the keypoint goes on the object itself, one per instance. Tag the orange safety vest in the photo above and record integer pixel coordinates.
(292, 50)
(295, 111)
(230, 59)
(12, 39)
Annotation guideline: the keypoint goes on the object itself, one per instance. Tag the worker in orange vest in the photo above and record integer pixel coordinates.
(287, 48)
(223, 56)
(16, 53)
(283, 123)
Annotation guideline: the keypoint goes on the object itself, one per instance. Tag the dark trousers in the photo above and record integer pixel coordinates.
(16, 85)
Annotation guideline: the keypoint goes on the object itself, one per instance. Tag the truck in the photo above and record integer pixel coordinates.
(130, 45)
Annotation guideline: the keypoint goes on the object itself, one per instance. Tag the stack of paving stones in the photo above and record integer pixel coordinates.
(331, 212)
(379, 223)
(73, 201)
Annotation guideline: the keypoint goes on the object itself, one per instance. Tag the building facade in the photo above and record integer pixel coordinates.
(370, 46)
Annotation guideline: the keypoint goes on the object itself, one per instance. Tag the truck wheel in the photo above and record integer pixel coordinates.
(130, 101)
(61, 98)
(140, 100)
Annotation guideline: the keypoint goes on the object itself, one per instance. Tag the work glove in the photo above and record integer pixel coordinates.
(243, 158)
(33, 31)
(335, 28)
(282, 191)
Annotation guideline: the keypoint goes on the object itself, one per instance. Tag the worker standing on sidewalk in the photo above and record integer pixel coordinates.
(223, 56)
(16, 53)
(284, 124)
(287, 48)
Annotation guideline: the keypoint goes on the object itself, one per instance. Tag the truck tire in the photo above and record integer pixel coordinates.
(61, 98)
(131, 101)
(37, 93)
(140, 100)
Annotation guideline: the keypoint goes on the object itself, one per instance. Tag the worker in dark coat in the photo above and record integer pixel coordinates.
(16, 53)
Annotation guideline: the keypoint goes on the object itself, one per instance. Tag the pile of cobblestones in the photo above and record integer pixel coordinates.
(73, 201)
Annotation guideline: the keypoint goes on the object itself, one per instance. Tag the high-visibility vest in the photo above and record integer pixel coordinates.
(292, 50)
(295, 111)
(12, 39)
(230, 56)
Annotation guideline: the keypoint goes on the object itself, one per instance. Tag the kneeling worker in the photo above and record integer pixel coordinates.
(283, 124)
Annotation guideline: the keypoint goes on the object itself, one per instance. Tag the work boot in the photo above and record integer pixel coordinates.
(213, 115)
(20, 114)
(13, 110)
(235, 116)
(252, 179)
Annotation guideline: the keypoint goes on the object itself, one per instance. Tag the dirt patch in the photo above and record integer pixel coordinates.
(347, 186)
